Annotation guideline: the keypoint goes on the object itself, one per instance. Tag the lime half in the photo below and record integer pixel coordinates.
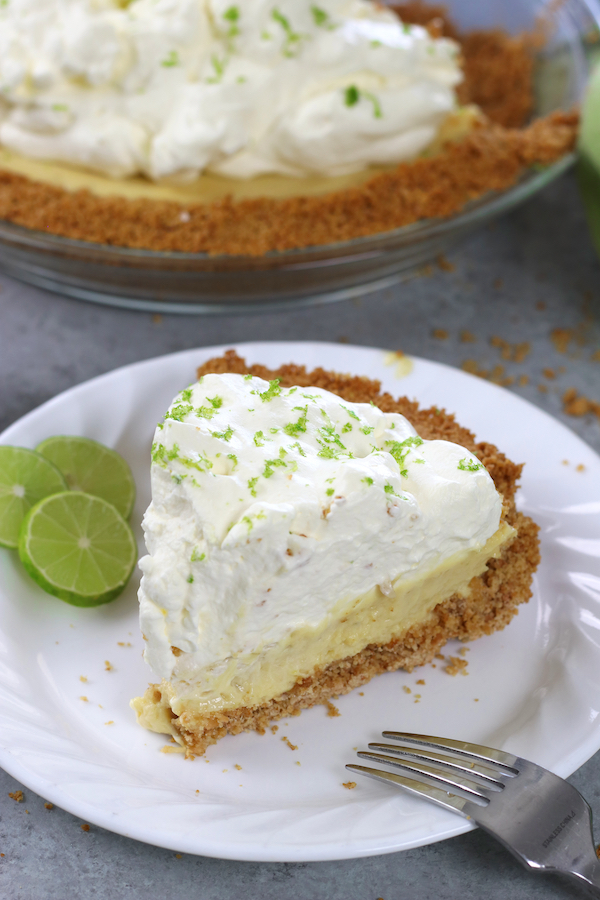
(25, 477)
(78, 547)
(92, 468)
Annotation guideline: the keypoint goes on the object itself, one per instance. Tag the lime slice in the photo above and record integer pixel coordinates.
(92, 468)
(588, 165)
(78, 547)
(25, 477)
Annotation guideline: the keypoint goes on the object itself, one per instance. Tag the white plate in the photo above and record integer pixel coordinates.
(532, 689)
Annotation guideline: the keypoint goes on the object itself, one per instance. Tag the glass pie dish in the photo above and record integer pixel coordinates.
(178, 282)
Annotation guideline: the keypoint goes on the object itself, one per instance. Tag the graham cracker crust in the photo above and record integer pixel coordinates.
(491, 604)
(497, 77)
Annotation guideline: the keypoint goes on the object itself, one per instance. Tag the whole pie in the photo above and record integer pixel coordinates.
(210, 126)
(307, 533)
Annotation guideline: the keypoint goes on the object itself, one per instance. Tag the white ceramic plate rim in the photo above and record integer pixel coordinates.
(360, 360)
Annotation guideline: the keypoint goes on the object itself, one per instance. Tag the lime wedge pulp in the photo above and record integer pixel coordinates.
(92, 468)
(78, 548)
(25, 478)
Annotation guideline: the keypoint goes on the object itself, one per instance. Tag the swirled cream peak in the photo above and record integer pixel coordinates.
(272, 505)
(171, 88)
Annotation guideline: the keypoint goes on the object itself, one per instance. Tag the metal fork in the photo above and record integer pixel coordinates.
(543, 820)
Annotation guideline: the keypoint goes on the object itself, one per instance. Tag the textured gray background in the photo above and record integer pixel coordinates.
(540, 254)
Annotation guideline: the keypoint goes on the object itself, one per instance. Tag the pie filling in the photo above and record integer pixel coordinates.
(251, 680)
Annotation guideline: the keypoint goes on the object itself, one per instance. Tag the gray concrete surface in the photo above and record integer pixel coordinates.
(530, 273)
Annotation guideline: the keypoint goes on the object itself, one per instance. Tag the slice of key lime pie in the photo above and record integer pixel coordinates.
(300, 542)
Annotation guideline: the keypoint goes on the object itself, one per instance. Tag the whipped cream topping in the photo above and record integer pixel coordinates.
(271, 505)
(172, 88)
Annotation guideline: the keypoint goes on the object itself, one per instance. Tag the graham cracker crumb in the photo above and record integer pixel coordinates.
(178, 856)
(274, 729)
(332, 711)
(440, 334)
(406, 689)
(17, 796)
(456, 665)
(287, 741)
(540, 305)
(463, 650)
(565, 462)
(108, 667)
(350, 785)
(549, 373)
(83, 678)
(49, 805)
(580, 468)
(523, 380)
(498, 283)
(110, 722)
(578, 405)
(421, 681)
(444, 264)
(85, 699)
(561, 338)
(239, 768)
(361, 693)
(542, 388)
(85, 827)
(298, 763)
(124, 644)
(467, 337)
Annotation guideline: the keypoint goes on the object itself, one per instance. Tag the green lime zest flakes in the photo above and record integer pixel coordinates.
(321, 18)
(330, 492)
(421, 461)
(161, 456)
(234, 460)
(330, 441)
(248, 521)
(248, 377)
(274, 390)
(202, 464)
(273, 430)
(190, 579)
(368, 480)
(186, 394)
(292, 391)
(216, 402)
(223, 435)
(469, 465)
(197, 557)
(294, 428)
(178, 478)
(172, 59)
(297, 446)
(60, 107)
(252, 482)
(219, 66)
(350, 412)
(368, 429)
(259, 438)
(389, 489)
(271, 464)
(351, 95)
(179, 412)
(293, 465)
(282, 452)
(266, 36)
(308, 397)
(347, 427)
(292, 38)
(400, 450)
(232, 15)
(406, 28)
